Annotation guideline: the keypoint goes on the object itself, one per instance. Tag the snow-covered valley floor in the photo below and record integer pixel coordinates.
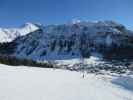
(26, 83)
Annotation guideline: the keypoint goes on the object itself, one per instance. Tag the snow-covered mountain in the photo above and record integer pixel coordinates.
(76, 40)
(9, 34)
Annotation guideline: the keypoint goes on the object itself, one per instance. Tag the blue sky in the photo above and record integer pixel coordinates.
(17, 12)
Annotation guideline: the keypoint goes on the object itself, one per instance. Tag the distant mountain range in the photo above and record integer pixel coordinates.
(79, 39)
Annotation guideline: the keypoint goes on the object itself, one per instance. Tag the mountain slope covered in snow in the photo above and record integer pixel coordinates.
(81, 39)
(76, 40)
(9, 34)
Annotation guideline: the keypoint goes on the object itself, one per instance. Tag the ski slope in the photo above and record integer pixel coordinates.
(26, 83)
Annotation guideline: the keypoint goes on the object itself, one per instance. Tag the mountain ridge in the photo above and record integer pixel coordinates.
(9, 34)
(75, 40)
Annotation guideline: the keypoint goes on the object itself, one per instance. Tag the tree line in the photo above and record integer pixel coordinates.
(14, 61)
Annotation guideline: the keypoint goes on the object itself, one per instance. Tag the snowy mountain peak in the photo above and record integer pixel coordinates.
(9, 34)
(73, 21)
(28, 28)
(29, 25)
(108, 23)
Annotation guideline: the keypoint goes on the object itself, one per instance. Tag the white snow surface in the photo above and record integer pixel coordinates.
(9, 34)
(26, 83)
